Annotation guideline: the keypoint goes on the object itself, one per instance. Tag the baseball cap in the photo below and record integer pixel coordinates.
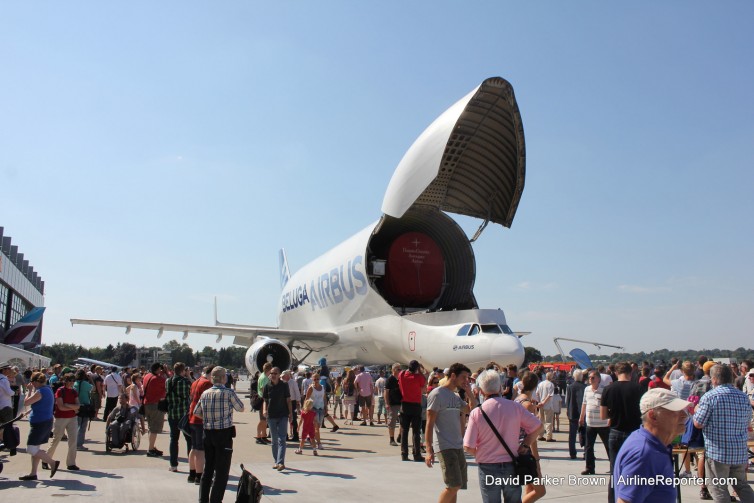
(4, 365)
(708, 365)
(658, 397)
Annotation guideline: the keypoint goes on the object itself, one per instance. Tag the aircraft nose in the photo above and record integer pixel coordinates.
(507, 349)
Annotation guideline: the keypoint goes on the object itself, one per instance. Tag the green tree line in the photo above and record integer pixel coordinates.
(125, 353)
(653, 357)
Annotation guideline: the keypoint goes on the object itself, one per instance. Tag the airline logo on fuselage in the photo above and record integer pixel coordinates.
(329, 288)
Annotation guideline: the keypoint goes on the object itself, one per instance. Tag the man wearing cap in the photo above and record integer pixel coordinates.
(724, 414)
(643, 468)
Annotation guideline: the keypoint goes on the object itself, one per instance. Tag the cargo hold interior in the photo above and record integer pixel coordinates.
(422, 261)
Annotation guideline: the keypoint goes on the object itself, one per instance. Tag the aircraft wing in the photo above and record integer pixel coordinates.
(244, 335)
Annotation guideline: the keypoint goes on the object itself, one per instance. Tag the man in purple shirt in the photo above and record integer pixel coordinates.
(643, 469)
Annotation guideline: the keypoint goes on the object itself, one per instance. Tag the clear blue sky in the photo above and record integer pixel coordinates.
(154, 155)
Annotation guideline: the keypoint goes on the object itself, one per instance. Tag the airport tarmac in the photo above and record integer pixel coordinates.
(357, 463)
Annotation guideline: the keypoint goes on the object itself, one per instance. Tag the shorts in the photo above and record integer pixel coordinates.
(453, 464)
(365, 401)
(320, 415)
(155, 417)
(39, 433)
(381, 405)
(197, 437)
(392, 415)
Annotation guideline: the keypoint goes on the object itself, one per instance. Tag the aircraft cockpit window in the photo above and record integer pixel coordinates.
(506, 329)
(464, 330)
(474, 330)
(491, 329)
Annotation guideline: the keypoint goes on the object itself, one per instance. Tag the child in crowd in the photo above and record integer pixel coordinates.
(306, 426)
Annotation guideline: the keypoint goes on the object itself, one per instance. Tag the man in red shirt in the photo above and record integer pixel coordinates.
(154, 391)
(196, 455)
(412, 383)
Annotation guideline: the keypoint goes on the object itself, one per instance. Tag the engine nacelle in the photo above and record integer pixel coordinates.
(268, 350)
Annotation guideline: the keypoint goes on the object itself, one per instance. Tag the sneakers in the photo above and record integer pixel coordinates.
(173, 468)
(704, 494)
(198, 479)
(404, 457)
(191, 478)
(261, 442)
(685, 475)
(393, 443)
(298, 451)
(319, 446)
(153, 454)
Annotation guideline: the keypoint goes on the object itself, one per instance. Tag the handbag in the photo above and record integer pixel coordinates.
(525, 464)
(85, 411)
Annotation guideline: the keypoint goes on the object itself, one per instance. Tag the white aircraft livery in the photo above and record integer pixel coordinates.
(402, 288)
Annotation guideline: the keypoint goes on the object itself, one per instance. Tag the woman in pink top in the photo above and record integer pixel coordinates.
(496, 470)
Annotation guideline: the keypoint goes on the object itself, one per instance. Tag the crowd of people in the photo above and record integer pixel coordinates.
(494, 414)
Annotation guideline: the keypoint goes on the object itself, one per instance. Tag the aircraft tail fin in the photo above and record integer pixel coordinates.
(26, 330)
(285, 273)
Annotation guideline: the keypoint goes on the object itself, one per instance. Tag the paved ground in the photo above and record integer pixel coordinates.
(357, 463)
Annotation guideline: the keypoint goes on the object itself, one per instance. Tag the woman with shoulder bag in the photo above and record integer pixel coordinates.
(493, 434)
(86, 411)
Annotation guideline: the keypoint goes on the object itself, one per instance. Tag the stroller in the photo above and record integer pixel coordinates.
(123, 431)
(10, 438)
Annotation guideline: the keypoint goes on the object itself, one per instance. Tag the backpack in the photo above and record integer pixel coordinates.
(700, 388)
(250, 489)
(254, 398)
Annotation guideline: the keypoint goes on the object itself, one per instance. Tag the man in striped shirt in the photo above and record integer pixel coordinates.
(215, 408)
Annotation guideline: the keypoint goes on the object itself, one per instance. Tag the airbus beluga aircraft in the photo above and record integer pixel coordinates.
(402, 288)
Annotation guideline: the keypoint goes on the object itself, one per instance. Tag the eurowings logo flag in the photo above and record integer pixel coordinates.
(25, 333)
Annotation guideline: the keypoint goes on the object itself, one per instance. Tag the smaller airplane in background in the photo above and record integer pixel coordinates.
(88, 362)
(25, 334)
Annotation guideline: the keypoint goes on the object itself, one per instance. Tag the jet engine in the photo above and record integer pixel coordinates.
(267, 350)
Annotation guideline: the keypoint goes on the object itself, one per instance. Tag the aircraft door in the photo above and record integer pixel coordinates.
(412, 340)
